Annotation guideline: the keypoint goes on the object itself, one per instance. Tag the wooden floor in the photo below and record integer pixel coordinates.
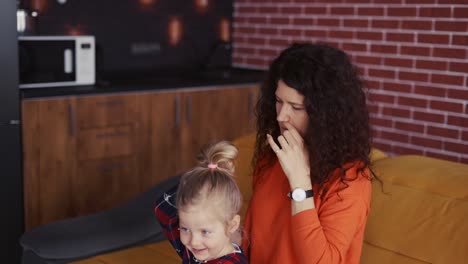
(161, 253)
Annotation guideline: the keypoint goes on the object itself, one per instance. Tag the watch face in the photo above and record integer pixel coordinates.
(298, 195)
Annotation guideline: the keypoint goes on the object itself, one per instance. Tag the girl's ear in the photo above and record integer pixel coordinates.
(234, 224)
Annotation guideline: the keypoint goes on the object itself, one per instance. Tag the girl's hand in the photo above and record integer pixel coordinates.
(293, 157)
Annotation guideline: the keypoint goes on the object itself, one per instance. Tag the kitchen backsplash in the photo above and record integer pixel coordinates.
(143, 34)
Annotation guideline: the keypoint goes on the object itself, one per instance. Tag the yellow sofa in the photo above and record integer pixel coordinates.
(418, 215)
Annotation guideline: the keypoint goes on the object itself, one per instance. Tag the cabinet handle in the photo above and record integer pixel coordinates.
(189, 110)
(111, 103)
(177, 111)
(71, 119)
(109, 167)
(251, 104)
(112, 134)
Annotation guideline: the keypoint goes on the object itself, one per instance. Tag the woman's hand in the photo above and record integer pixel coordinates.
(293, 157)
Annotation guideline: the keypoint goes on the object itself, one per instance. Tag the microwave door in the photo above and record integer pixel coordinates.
(47, 62)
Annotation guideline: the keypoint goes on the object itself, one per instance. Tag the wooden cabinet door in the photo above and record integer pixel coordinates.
(166, 113)
(215, 114)
(49, 145)
(111, 135)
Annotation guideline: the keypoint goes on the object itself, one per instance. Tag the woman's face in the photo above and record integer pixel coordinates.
(290, 108)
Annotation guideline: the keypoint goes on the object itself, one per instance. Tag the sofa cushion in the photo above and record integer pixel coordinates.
(420, 212)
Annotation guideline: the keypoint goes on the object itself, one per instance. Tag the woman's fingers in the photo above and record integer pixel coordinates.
(283, 142)
(272, 143)
(294, 133)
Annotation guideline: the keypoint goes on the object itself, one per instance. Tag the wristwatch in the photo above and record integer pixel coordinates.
(299, 194)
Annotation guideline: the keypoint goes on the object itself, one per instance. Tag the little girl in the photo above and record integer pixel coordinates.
(200, 216)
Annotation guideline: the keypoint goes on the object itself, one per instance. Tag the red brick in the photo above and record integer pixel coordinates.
(373, 85)
(279, 20)
(442, 156)
(426, 142)
(279, 42)
(460, 40)
(397, 87)
(384, 48)
(413, 102)
(457, 26)
(401, 11)
(434, 12)
(408, 63)
(421, 1)
(245, 51)
(390, 74)
(303, 21)
(382, 98)
(407, 151)
(315, 10)
(447, 79)
(256, 41)
(395, 136)
(396, 112)
(290, 10)
(394, 24)
(290, 32)
(267, 10)
(434, 38)
(456, 147)
(416, 24)
(260, 20)
(341, 11)
(465, 136)
(370, 11)
(430, 117)
(453, 2)
(415, 50)
(248, 9)
(459, 67)
(431, 91)
(386, 1)
(268, 31)
(315, 33)
(409, 127)
(400, 37)
(443, 132)
(450, 53)
(354, 47)
(355, 23)
(458, 121)
(256, 62)
(268, 52)
(330, 22)
(381, 122)
(461, 94)
(431, 65)
(245, 30)
(460, 12)
(369, 60)
(413, 76)
(446, 106)
(370, 35)
(373, 108)
(340, 34)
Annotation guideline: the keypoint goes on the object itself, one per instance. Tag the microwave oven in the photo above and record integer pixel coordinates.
(51, 61)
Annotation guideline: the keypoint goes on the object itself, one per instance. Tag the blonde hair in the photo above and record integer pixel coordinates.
(213, 177)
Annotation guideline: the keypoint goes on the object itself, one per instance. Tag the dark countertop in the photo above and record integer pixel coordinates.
(153, 80)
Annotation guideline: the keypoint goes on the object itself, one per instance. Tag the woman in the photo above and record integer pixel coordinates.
(312, 184)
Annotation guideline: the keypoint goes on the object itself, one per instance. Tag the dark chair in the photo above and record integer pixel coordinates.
(130, 224)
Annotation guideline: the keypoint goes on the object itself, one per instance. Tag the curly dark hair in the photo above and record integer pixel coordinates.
(338, 131)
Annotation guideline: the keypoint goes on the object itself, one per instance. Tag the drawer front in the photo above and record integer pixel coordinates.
(104, 183)
(101, 111)
(106, 142)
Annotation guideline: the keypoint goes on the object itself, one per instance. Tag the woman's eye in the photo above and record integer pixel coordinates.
(298, 108)
(278, 100)
(206, 232)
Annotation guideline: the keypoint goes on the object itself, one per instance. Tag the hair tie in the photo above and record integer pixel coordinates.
(212, 166)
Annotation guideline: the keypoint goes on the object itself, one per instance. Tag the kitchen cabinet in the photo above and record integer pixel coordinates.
(84, 154)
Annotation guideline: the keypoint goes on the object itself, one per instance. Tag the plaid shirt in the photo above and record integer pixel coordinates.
(166, 213)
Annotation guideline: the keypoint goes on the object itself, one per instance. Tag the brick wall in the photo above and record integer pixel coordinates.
(412, 53)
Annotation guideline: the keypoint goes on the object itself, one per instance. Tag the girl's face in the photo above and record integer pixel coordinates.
(290, 108)
(203, 231)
